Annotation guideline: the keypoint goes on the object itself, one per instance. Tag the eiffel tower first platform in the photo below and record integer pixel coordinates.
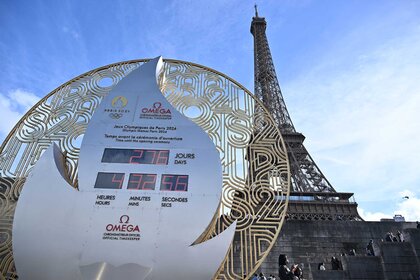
(312, 196)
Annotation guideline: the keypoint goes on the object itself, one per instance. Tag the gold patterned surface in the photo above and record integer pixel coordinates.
(255, 170)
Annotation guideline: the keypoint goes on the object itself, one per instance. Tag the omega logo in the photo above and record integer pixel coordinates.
(157, 109)
(123, 225)
(126, 217)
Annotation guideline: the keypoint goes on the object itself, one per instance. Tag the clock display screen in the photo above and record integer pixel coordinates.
(106, 180)
(177, 183)
(142, 181)
(136, 156)
(138, 181)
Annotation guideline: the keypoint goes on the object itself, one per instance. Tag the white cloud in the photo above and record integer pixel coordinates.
(24, 99)
(360, 114)
(405, 203)
(72, 32)
(372, 216)
(407, 194)
(409, 207)
(12, 107)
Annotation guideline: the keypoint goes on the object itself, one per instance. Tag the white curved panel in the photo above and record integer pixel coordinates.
(46, 245)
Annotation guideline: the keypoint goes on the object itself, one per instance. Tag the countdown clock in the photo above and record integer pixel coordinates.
(140, 208)
(195, 148)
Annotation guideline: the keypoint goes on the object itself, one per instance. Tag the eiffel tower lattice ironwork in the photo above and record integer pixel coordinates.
(307, 181)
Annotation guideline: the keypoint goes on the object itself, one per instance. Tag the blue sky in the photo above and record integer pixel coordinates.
(349, 72)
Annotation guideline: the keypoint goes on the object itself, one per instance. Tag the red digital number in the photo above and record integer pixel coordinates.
(174, 183)
(152, 160)
(151, 182)
(162, 157)
(134, 181)
(142, 181)
(165, 185)
(139, 156)
(181, 183)
(119, 181)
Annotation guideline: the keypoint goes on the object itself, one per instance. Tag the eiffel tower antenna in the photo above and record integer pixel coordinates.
(307, 180)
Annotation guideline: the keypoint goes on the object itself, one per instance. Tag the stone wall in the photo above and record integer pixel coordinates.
(308, 243)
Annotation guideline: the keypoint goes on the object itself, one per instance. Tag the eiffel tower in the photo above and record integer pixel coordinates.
(312, 196)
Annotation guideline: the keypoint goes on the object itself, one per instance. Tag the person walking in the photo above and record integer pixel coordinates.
(400, 236)
(321, 266)
(284, 271)
(335, 263)
(369, 249)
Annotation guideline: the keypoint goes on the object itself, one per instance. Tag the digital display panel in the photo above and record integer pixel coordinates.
(106, 180)
(136, 156)
(176, 183)
(138, 181)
